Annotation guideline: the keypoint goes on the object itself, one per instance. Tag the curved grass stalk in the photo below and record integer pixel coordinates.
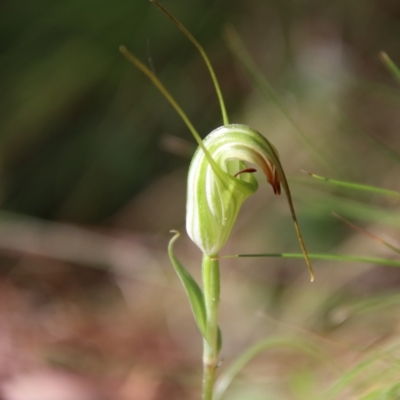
(377, 302)
(203, 54)
(237, 365)
(348, 377)
(164, 91)
(238, 49)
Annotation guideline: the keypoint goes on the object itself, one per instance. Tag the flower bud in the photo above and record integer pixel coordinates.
(216, 191)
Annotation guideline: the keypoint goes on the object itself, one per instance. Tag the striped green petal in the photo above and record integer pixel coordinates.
(214, 197)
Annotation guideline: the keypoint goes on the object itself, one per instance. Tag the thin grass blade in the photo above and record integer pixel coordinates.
(368, 233)
(233, 370)
(391, 66)
(322, 256)
(355, 186)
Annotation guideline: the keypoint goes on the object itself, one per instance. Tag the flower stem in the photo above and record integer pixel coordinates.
(210, 344)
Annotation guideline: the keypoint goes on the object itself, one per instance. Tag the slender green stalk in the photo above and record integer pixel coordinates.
(205, 58)
(210, 343)
(355, 186)
(323, 256)
(158, 84)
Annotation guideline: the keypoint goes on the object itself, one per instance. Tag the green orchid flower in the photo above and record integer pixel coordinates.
(215, 195)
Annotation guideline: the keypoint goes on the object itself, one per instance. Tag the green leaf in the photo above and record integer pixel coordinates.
(193, 291)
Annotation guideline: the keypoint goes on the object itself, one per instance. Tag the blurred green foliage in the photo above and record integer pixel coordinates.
(85, 138)
(81, 129)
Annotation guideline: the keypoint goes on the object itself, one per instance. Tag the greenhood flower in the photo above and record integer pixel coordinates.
(218, 183)
(217, 191)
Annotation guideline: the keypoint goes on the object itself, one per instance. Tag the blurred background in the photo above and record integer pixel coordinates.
(93, 164)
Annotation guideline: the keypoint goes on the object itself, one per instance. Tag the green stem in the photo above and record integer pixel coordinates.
(203, 54)
(210, 344)
(157, 83)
